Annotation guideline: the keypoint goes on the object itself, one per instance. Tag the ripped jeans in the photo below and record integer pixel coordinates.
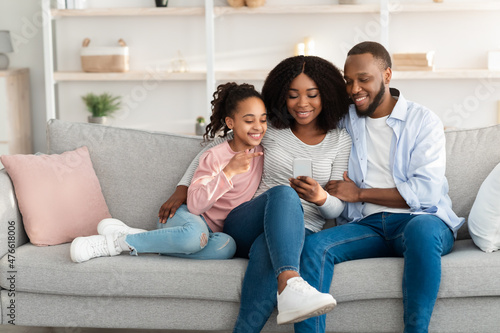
(184, 235)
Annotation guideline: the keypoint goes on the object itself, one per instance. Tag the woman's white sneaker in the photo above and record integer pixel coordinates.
(112, 226)
(299, 301)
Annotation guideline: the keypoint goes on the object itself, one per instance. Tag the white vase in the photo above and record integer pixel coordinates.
(97, 120)
(200, 128)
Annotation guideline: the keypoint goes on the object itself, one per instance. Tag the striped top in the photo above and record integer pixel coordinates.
(281, 147)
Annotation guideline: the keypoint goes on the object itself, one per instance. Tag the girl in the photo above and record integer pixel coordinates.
(227, 175)
(305, 99)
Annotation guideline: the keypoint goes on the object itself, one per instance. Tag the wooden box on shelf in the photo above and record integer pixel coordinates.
(15, 112)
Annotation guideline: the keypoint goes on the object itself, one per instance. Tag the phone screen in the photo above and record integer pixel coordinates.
(302, 167)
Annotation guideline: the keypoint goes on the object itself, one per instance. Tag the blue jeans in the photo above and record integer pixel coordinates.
(269, 230)
(184, 235)
(420, 239)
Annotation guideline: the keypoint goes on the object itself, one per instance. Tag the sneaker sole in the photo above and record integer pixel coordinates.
(300, 315)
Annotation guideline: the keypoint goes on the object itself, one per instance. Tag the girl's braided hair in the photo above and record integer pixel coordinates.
(329, 80)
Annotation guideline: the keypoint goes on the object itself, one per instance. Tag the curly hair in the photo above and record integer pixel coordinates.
(225, 103)
(329, 80)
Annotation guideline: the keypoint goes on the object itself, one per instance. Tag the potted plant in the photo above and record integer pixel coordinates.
(200, 126)
(101, 106)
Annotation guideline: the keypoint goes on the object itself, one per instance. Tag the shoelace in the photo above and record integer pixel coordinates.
(300, 285)
(99, 248)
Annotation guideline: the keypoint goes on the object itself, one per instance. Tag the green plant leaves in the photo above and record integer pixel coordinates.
(103, 105)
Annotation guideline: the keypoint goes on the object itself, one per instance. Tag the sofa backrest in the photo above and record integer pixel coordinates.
(471, 155)
(138, 170)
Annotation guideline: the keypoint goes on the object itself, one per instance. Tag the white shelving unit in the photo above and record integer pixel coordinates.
(211, 13)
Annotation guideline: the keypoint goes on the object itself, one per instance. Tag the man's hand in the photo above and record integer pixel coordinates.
(348, 191)
(170, 206)
(345, 190)
(309, 190)
(240, 163)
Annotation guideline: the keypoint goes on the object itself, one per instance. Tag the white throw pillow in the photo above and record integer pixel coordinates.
(484, 217)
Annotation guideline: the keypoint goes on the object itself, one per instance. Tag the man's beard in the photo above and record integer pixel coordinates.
(374, 105)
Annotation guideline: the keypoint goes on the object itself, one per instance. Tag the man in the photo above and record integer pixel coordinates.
(395, 190)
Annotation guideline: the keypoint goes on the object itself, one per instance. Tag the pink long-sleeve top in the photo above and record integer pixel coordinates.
(212, 195)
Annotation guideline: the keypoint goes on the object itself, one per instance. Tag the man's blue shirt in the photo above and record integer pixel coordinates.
(418, 161)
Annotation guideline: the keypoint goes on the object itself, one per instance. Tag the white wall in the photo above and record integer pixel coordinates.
(24, 20)
(460, 39)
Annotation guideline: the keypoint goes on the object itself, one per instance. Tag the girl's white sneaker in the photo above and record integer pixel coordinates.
(85, 248)
(112, 226)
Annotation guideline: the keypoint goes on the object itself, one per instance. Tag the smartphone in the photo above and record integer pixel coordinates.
(302, 167)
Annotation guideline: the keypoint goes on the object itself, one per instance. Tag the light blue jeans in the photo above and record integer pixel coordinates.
(420, 239)
(183, 236)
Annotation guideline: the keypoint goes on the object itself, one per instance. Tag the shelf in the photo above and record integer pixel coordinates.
(299, 9)
(152, 11)
(243, 75)
(218, 11)
(252, 75)
(129, 76)
(446, 6)
(446, 74)
(296, 9)
(260, 75)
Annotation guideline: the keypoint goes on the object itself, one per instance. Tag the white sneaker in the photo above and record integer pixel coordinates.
(299, 301)
(85, 248)
(112, 226)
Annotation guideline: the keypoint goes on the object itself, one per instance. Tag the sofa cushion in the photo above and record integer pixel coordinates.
(59, 196)
(463, 273)
(484, 218)
(49, 270)
(464, 148)
(138, 170)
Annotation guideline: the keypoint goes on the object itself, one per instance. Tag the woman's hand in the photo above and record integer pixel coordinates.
(170, 206)
(240, 163)
(309, 190)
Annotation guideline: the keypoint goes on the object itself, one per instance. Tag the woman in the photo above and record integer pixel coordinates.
(305, 98)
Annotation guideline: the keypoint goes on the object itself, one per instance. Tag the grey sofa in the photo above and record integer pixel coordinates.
(138, 171)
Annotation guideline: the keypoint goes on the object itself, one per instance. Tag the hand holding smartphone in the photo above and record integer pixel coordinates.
(302, 167)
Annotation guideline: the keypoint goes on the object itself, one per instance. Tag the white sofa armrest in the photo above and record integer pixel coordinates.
(11, 223)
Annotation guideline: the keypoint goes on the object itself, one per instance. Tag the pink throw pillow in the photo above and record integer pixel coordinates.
(59, 196)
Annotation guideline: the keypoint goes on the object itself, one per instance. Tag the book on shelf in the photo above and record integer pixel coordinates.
(412, 68)
(422, 61)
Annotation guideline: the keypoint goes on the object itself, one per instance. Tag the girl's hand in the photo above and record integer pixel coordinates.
(170, 206)
(240, 163)
(309, 190)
